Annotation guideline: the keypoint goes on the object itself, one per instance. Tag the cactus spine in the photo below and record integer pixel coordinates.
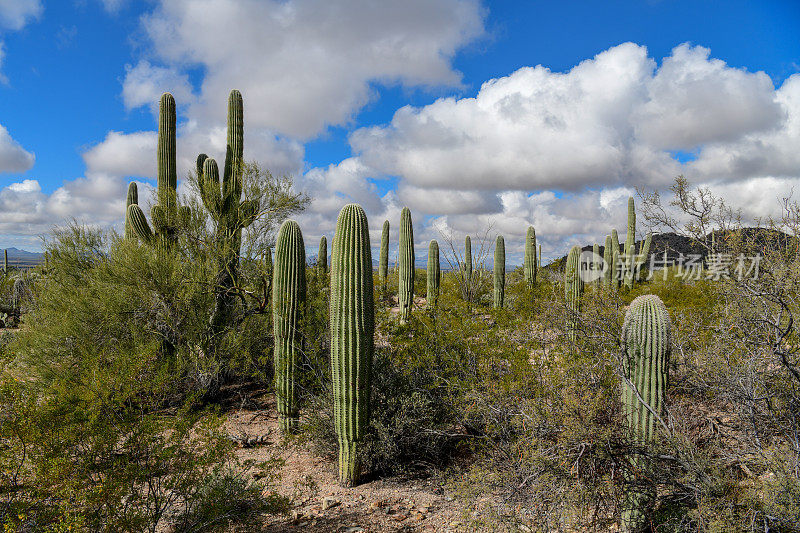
(405, 292)
(531, 265)
(230, 213)
(352, 329)
(573, 288)
(383, 261)
(322, 255)
(646, 335)
(499, 272)
(288, 295)
(165, 214)
(132, 199)
(434, 275)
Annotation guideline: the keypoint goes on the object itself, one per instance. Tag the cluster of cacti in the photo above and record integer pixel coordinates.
(573, 289)
(434, 275)
(322, 254)
(165, 215)
(352, 327)
(646, 346)
(405, 289)
(531, 264)
(383, 260)
(627, 266)
(499, 272)
(288, 295)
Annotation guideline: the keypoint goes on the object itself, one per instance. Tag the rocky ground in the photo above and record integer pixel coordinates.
(320, 504)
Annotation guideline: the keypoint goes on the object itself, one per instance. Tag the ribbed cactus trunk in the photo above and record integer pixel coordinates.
(405, 289)
(434, 275)
(597, 266)
(383, 259)
(132, 199)
(573, 289)
(288, 296)
(322, 255)
(539, 261)
(616, 260)
(467, 268)
(5, 260)
(646, 334)
(352, 329)
(630, 245)
(530, 265)
(644, 253)
(499, 272)
(608, 264)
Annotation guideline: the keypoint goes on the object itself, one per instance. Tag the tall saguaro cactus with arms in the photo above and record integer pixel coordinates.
(288, 295)
(646, 337)
(352, 336)
(405, 290)
(230, 213)
(165, 215)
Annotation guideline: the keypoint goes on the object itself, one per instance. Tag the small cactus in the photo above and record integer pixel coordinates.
(573, 289)
(434, 274)
(531, 265)
(383, 260)
(288, 296)
(646, 334)
(322, 255)
(352, 336)
(499, 272)
(405, 291)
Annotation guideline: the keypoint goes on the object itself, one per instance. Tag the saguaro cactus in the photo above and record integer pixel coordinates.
(597, 265)
(132, 199)
(165, 214)
(616, 261)
(434, 274)
(383, 259)
(230, 213)
(405, 291)
(530, 266)
(499, 272)
(608, 264)
(5, 260)
(322, 255)
(573, 289)
(646, 335)
(288, 295)
(466, 268)
(352, 328)
(539, 261)
(644, 252)
(633, 262)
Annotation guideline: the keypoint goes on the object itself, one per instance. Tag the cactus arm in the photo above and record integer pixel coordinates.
(132, 198)
(234, 151)
(352, 325)
(139, 224)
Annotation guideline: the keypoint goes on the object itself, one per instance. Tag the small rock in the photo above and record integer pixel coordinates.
(523, 527)
(378, 504)
(352, 529)
(419, 516)
(297, 514)
(423, 510)
(328, 502)
(448, 498)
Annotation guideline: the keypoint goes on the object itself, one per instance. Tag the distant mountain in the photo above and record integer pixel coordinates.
(24, 258)
(675, 244)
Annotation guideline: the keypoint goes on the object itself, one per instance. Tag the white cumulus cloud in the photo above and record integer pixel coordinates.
(13, 157)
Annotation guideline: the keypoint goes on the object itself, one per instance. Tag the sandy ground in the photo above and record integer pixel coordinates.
(320, 504)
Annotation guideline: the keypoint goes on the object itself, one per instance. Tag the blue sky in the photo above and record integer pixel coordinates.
(74, 71)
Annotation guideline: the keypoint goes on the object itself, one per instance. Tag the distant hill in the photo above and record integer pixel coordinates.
(675, 244)
(23, 258)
